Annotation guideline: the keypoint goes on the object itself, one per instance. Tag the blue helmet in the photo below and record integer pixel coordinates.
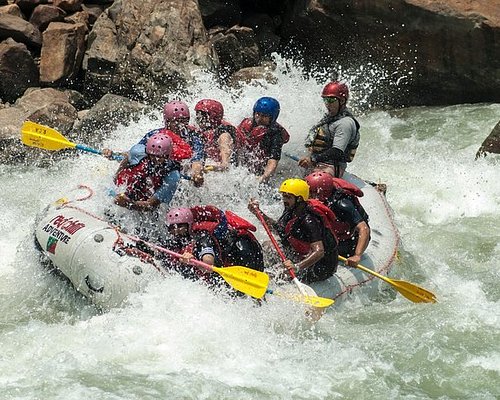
(269, 106)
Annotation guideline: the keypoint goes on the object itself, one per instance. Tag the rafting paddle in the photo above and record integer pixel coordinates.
(409, 290)
(43, 137)
(246, 280)
(307, 292)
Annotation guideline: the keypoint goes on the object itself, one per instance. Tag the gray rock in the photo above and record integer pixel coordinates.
(491, 144)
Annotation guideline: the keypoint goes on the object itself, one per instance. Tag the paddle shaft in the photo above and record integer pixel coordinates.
(114, 156)
(409, 290)
(280, 252)
(291, 156)
(246, 280)
(42, 136)
(193, 261)
(368, 271)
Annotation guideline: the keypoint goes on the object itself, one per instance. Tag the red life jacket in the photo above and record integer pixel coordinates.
(249, 135)
(141, 180)
(349, 187)
(317, 208)
(211, 138)
(353, 193)
(180, 149)
(217, 223)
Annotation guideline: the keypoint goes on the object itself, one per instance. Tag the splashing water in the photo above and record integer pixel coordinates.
(179, 340)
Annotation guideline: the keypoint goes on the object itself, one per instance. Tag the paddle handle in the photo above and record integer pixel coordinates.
(278, 249)
(291, 156)
(368, 271)
(117, 157)
(270, 234)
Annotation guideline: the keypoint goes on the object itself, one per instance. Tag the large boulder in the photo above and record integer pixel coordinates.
(62, 52)
(44, 14)
(11, 9)
(236, 48)
(439, 51)
(144, 48)
(51, 107)
(18, 70)
(491, 144)
(20, 30)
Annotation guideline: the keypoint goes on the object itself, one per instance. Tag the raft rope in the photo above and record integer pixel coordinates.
(119, 244)
(148, 258)
(387, 265)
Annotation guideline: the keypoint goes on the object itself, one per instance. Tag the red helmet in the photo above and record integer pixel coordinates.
(336, 89)
(213, 108)
(175, 109)
(159, 145)
(321, 185)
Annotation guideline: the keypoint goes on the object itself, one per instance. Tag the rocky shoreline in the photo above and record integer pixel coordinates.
(60, 58)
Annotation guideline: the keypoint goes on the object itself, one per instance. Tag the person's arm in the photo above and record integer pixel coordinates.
(226, 150)
(197, 173)
(208, 259)
(269, 170)
(253, 207)
(144, 205)
(275, 148)
(363, 239)
(204, 249)
(317, 253)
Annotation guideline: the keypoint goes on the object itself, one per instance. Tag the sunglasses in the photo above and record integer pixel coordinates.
(330, 100)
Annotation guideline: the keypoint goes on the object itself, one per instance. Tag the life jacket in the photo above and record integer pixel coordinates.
(180, 149)
(249, 135)
(347, 190)
(187, 271)
(218, 223)
(321, 138)
(211, 138)
(253, 143)
(319, 209)
(143, 179)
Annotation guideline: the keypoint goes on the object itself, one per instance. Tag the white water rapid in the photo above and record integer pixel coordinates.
(179, 340)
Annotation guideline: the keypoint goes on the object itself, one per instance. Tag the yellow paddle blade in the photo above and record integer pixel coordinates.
(246, 280)
(315, 301)
(409, 290)
(43, 137)
(413, 292)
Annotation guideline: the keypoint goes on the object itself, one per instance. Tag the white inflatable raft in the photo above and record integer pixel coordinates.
(101, 263)
(105, 266)
(379, 256)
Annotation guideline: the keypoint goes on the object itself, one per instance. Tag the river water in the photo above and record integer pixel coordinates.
(178, 340)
